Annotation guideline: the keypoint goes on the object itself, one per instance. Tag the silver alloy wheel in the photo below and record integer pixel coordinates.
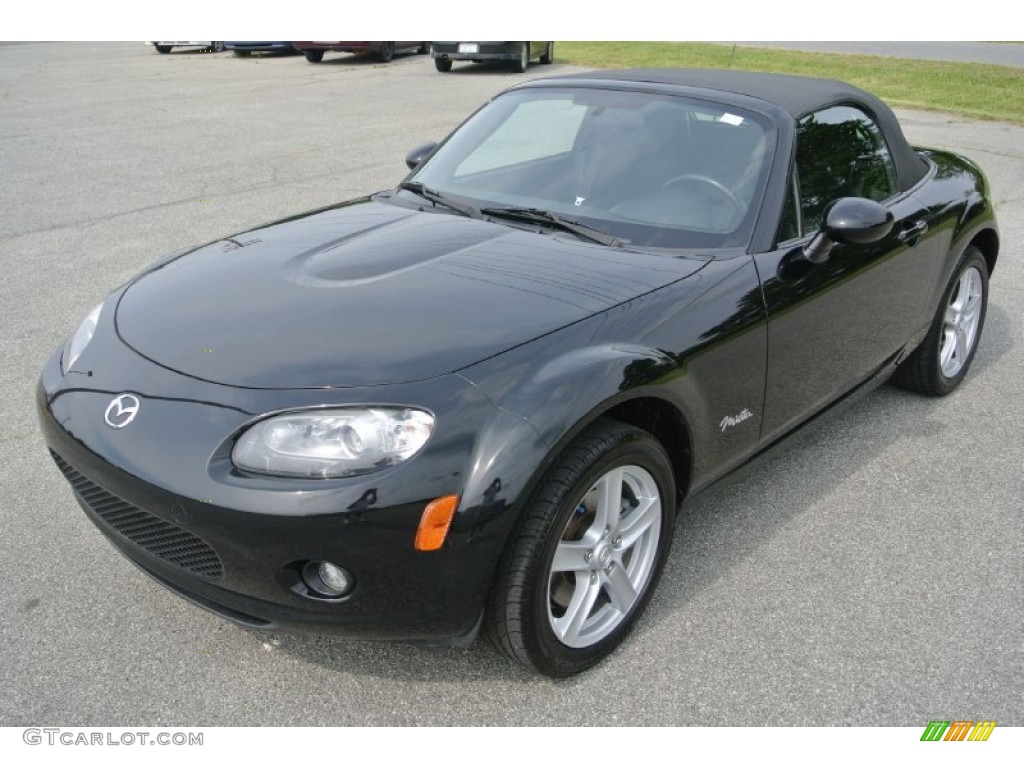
(605, 557)
(960, 324)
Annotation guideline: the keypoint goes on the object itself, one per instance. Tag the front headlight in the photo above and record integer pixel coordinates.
(332, 442)
(80, 339)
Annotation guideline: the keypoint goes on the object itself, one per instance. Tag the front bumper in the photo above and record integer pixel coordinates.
(259, 46)
(343, 47)
(236, 545)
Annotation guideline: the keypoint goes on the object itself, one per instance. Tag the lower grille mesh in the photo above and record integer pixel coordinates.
(156, 536)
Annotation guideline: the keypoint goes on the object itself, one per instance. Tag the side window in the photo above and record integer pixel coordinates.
(790, 227)
(840, 153)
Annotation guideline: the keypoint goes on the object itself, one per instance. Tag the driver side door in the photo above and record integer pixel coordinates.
(832, 326)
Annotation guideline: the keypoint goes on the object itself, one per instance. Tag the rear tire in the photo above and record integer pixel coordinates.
(163, 48)
(443, 65)
(217, 46)
(942, 360)
(314, 57)
(386, 52)
(588, 552)
(424, 48)
(520, 64)
(549, 54)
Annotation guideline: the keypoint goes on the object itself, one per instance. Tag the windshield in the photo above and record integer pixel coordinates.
(649, 169)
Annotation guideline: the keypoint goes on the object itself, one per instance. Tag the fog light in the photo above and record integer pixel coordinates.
(334, 577)
(327, 579)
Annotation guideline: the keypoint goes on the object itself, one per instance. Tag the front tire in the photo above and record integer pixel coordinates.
(314, 57)
(941, 362)
(549, 54)
(163, 48)
(588, 552)
(387, 52)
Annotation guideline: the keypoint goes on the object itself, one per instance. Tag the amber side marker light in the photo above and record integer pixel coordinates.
(437, 517)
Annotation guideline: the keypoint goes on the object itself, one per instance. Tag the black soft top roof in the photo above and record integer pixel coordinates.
(794, 94)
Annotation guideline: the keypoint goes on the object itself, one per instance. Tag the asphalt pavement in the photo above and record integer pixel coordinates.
(869, 574)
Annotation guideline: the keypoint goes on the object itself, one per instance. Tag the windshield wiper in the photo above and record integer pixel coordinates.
(541, 216)
(417, 187)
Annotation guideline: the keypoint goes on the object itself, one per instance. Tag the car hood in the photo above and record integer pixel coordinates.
(372, 293)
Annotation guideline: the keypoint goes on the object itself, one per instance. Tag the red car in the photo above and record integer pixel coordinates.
(383, 50)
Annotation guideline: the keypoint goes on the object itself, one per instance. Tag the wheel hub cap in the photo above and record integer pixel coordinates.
(605, 557)
(602, 558)
(960, 325)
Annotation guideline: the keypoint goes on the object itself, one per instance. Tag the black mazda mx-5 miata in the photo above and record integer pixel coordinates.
(478, 399)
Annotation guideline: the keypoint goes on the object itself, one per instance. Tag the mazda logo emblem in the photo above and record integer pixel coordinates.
(122, 411)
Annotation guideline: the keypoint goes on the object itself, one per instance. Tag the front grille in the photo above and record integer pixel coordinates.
(156, 536)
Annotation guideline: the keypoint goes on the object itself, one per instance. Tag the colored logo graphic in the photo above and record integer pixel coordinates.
(958, 730)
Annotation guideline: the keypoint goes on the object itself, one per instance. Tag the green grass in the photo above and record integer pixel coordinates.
(980, 91)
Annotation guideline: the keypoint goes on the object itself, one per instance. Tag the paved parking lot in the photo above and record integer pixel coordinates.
(871, 574)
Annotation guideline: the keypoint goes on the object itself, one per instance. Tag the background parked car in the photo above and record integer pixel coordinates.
(165, 47)
(245, 47)
(518, 54)
(383, 49)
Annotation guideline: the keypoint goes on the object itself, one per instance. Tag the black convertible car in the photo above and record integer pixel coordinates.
(478, 399)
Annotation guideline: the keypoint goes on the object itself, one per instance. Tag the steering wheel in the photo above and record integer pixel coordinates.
(719, 186)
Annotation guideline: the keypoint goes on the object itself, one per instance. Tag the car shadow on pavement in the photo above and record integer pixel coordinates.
(407, 662)
(491, 68)
(202, 52)
(360, 60)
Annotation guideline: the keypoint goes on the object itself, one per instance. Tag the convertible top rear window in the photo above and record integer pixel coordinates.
(651, 169)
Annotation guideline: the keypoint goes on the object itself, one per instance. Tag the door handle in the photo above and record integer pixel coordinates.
(913, 231)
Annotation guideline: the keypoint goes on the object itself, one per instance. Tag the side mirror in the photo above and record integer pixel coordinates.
(419, 154)
(854, 220)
